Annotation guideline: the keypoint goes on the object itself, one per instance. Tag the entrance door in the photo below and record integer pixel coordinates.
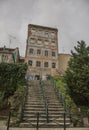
(37, 77)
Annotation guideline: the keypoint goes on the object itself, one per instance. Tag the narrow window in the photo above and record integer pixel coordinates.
(46, 53)
(30, 62)
(46, 64)
(31, 51)
(53, 65)
(4, 58)
(38, 63)
(53, 53)
(38, 52)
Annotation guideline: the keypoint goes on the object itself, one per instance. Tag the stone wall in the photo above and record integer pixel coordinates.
(63, 63)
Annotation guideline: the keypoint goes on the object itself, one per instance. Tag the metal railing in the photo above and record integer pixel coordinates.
(61, 97)
(45, 100)
(23, 102)
(78, 121)
(8, 121)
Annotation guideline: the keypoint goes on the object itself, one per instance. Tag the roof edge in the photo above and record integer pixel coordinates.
(39, 26)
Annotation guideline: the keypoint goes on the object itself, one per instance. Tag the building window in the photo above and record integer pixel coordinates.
(39, 41)
(52, 34)
(32, 40)
(4, 58)
(38, 52)
(46, 42)
(46, 64)
(31, 51)
(53, 65)
(53, 53)
(30, 62)
(38, 63)
(46, 34)
(33, 30)
(46, 53)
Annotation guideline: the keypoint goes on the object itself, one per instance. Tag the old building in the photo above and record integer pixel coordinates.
(41, 51)
(63, 63)
(9, 55)
(21, 60)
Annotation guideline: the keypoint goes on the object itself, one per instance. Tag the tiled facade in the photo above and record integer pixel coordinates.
(42, 51)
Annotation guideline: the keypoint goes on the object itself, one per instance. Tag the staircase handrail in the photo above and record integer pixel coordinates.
(60, 96)
(45, 100)
(23, 102)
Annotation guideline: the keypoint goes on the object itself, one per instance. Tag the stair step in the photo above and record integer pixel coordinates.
(54, 103)
(35, 103)
(44, 120)
(34, 112)
(55, 106)
(43, 116)
(34, 109)
(35, 119)
(58, 109)
(56, 112)
(44, 125)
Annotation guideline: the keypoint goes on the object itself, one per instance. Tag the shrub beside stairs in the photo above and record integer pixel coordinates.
(42, 102)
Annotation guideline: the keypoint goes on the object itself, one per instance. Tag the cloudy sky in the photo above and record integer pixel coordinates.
(71, 17)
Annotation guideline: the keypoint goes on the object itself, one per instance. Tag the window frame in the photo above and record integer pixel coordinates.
(46, 64)
(31, 51)
(38, 63)
(29, 62)
(38, 51)
(53, 54)
(53, 65)
(46, 53)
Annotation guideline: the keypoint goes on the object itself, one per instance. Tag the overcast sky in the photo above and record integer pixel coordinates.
(71, 17)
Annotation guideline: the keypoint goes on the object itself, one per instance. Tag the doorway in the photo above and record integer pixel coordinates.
(37, 77)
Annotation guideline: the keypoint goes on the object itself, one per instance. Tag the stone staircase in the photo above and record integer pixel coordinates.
(35, 103)
(55, 106)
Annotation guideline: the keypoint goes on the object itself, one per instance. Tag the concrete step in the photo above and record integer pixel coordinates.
(52, 100)
(43, 125)
(54, 103)
(43, 115)
(32, 115)
(55, 107)
(35, 105)
(34, 112)
(58, 109)
(38, 99)
(34, 100)
(57, 112)
(34, 119)
(34, 109)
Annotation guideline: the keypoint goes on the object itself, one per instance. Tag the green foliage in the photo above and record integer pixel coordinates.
(77, 75)
(61, 85)
(63, 88)
(16, 100)
(1, 98)
(11, 75)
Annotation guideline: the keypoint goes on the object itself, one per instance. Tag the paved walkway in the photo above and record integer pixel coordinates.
(3, 127)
